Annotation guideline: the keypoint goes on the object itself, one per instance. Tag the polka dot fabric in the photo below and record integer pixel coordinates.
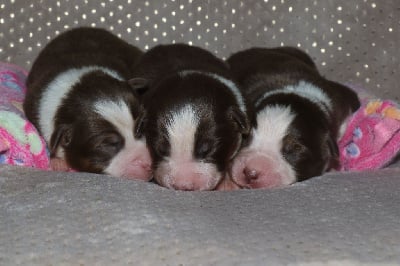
(354, 42)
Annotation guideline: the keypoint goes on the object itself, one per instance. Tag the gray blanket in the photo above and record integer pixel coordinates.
(52, 218)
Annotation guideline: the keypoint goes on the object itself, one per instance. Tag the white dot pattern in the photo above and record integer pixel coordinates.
(351, 42)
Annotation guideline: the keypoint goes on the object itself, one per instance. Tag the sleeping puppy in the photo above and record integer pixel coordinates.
(298, 117)
(79, 99)
(195, 116)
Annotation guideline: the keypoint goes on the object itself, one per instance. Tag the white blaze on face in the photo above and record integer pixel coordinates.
(180, 170)
(273, 124)
(133, 160)
(181, 128)
(263, 155)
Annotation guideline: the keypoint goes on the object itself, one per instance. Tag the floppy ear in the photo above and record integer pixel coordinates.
(62, 136)
(139, 85)
(241, 119)
(333, 147)
(140, 124)
(333, 151)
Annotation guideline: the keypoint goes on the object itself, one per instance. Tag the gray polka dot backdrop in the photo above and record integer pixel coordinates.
(354, 42)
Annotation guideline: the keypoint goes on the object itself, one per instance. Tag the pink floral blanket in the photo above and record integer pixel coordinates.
(20, 142)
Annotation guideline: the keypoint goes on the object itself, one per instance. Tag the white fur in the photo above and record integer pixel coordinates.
(118, 114)
(228, 83)
(181, 128)
(57, 90)
(304, 90)
(272, 126)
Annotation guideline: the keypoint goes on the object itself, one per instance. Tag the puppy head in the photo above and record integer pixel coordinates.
(94, 132)
(193, 127)
(286, 146)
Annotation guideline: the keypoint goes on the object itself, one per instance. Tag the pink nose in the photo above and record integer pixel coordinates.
(259, 172)
(251, 174)
(186, 177)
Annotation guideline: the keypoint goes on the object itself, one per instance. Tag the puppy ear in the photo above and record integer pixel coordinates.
(140, 124)
(333, 151)
(62, 136)
(139, 85)
(241, 119)
(333, 147)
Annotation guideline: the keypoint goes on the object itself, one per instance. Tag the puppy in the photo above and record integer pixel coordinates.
(195, 116)
(79, 99)
(298, 117)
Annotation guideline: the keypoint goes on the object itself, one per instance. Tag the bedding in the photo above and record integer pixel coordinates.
(20, 142)
(340, 218)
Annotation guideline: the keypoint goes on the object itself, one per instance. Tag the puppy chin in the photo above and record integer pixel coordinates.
(254, 169)
(188, 176)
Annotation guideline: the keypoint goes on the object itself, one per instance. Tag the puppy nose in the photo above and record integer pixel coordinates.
(250, 174)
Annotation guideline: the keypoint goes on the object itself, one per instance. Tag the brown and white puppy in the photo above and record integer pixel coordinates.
(298, 117)
(79, 99)
(195, 116)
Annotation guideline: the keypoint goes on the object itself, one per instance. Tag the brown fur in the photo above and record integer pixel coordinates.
(89, 141)
(311, 140)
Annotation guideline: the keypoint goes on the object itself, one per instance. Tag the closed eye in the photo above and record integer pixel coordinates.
(293, 149)
(205, 148)
(108, 142)
(162, 150)
(162, 147)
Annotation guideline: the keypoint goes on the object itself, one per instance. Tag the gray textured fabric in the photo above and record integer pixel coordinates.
(75, 218)
(49, 218)
(352, 41)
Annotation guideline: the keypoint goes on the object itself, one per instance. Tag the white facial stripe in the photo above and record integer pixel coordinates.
(272, 126)
(181, 128)
(57, 89)
(228, 83)
(304, 90)
(180, 168)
